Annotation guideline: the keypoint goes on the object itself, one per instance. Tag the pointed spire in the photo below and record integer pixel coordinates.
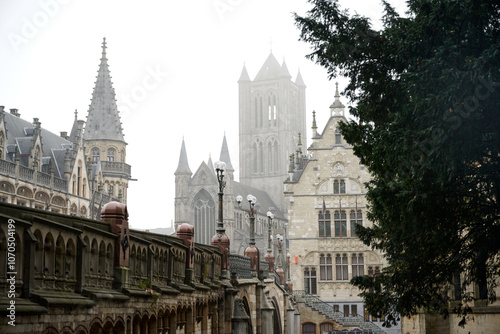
(74, 129)
(244, 75)
(103, 119)
(314, 126)
(210, 163)
(270, 70)
(299, 81)
(284, 70)
(224, 155)
(337, 108)
(183, 166)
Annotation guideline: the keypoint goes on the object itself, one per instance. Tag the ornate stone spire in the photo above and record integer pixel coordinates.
(103, 120)
(337, 108)
(183, 166)
(224, 155)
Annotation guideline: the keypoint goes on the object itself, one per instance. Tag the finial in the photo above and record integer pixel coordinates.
(76, 114)
(337, 90)
(271, 44)
(300, 140)
(104, 47)
(314, 120)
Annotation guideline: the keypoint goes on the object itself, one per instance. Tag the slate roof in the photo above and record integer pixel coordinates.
(53, 146)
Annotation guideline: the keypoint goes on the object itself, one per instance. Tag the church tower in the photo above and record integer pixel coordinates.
(104, 144)
(271, 116)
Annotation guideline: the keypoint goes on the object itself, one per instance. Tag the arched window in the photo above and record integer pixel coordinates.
(310, 281)
(325, 224)
(309, 328)
(325, 267)
(326, 327)
(340, 223)
(95, 154)
(357, 263)
(356, 218)
(204, 217)
(111, 154)
(341, 267)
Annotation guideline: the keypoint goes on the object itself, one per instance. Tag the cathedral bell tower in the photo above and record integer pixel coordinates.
(271, 116)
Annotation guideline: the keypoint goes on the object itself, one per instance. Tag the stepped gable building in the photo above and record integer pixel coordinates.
(272, 113)
(71, 174)
(196, 201)
(73, 275)
(326, 195)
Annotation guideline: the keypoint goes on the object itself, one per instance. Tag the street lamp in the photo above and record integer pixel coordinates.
(269, 257)
(220, 239)
(251, 251)
(220, 170)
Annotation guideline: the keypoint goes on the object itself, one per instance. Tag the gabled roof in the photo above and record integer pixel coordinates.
(103, 119)
(263, 199)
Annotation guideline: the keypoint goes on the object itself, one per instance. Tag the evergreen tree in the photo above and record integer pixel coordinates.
(427, 118)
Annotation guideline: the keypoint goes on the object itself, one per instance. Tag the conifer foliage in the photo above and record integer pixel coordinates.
(426, 90)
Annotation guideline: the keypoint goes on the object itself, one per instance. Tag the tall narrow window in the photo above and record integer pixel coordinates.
(310, 281)
(339, 186)
(79, 180)
(325, 267)
(111, 154)
(95, 154)
(340, 223)
(254, 162)
(356, 218)
(357, 265)
(341, 267)
(338, 139)
(325, 229)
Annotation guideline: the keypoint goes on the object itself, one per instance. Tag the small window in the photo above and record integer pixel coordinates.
(95, 154)
(338, 138)
(111, 154)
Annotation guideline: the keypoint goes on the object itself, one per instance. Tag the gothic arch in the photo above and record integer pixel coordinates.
(257, 146)
(276, 316)
(204, 216)
(273, 155)
(257, 114)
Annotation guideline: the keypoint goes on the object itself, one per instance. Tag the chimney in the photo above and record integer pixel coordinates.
(64, 134)
(15, 112)
(2, 109)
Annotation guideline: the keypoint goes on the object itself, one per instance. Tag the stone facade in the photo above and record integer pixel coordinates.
(64, 274)
(72, 174)
(325, 192)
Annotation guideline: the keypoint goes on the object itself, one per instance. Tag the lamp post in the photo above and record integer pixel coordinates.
(269, 257)
(279, 270)
(251, 251)
(220, 239)
(220, 170)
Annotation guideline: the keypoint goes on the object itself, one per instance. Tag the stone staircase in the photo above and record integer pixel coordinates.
(354, 321)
